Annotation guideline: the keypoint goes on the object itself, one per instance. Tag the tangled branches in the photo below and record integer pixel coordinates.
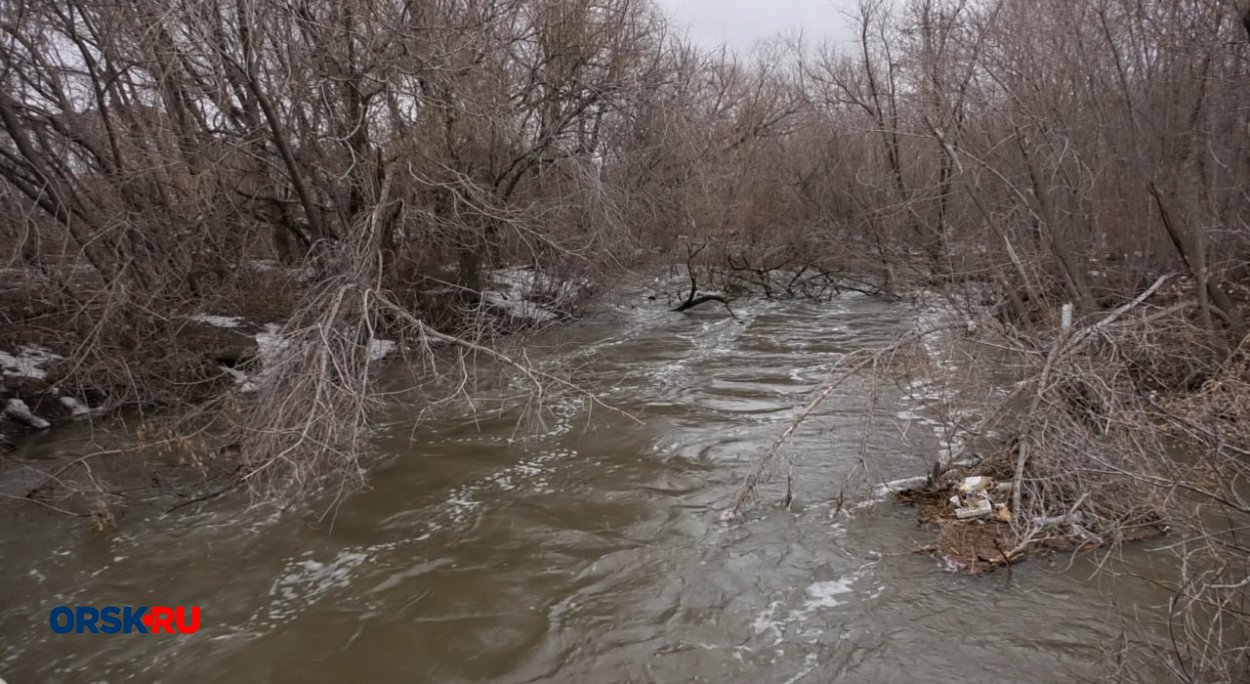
(1124, 427)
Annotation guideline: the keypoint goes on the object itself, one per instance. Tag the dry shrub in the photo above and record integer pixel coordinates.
(1139, 428)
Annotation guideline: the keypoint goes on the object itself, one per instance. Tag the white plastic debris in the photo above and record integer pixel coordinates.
(899, 485)
(973, 485)
(1002, 513)
(982, 508)
(1087, 536)
(970, 462)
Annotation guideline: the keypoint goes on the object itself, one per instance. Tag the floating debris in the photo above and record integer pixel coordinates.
(981, 507)
(972, 514)
(895, 486)
(976, 484)
(977, 528)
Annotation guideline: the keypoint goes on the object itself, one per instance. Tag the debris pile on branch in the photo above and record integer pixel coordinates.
(1077, 439)
(977, 531)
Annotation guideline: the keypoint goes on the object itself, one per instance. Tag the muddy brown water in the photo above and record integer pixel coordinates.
(590, 549)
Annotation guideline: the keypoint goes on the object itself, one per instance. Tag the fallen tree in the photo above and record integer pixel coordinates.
(694, 299)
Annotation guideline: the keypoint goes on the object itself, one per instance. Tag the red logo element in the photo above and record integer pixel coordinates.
(172, 620)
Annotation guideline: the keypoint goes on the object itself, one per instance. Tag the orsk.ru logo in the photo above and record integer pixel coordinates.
(125, 619)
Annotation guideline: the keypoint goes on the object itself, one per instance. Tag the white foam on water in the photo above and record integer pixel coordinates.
(811, 661)
(669, 372)
(824, 594)
(531, 474)
(306, 581)
(818, 596)
(461, 504)
(767, 622)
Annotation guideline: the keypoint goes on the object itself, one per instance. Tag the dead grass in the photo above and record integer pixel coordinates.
(976, 546)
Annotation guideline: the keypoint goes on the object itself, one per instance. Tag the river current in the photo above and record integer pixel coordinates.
(578, 545)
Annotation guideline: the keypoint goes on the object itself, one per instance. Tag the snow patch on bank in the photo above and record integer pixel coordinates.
(218, 321)
(241, 379)
(516, 289)
(18, 410)
(264, 265)
(380, 349)
(28, 363)
(76, 408)
(270, 345)
(513, 289)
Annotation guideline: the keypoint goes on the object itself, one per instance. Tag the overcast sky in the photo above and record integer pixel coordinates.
(740, 23)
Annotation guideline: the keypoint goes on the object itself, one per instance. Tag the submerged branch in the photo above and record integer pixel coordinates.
(846, 368)
(704, 299)
(534, 375)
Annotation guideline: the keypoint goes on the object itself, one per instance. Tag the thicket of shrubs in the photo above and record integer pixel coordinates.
(357, 170)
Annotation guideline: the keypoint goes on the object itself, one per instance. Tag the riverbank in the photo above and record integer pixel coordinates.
(66, 353)
(178, 380)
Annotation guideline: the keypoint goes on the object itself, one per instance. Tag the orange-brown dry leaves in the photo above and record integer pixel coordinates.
(977, 545)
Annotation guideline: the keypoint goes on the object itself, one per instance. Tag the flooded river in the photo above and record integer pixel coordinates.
(589, 549)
